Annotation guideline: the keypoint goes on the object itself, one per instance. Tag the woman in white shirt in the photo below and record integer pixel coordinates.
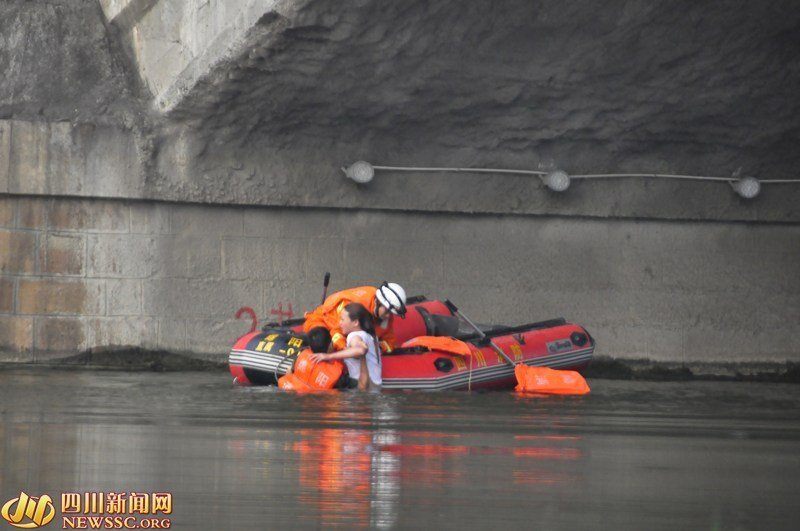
(362, 355)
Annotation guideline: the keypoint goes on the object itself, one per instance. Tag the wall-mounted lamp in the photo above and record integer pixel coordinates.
(747, 187)
(363, 172)
(557, 180)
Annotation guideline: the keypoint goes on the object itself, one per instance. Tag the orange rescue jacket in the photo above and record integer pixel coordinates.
(327, 316)
(309, 376)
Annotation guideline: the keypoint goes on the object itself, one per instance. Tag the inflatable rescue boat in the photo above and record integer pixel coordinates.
(262, 357)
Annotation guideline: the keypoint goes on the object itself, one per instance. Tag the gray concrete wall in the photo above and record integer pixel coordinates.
(111, 161)
(163, 163)
(80, 273)
(277, 95)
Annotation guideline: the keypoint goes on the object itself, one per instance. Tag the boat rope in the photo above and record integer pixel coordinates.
(469, 381)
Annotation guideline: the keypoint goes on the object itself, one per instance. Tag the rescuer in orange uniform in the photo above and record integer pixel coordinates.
(322, 324)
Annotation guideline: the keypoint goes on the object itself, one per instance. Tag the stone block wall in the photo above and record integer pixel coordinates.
(89, 273)
(163, 163)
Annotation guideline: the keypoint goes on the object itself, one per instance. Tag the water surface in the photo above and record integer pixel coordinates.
(631, 455)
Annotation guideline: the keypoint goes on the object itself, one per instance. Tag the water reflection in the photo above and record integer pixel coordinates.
(335, 471)
(357, 476)
(235, 458)
(344, 473)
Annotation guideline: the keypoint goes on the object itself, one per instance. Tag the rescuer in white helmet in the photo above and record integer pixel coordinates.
(384, 302)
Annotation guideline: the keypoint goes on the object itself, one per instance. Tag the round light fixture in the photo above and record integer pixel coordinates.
(556, 180)
(747, 187)
(361, 172)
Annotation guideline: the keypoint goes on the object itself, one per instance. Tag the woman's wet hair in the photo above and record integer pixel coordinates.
(358, 312)
(366, 321)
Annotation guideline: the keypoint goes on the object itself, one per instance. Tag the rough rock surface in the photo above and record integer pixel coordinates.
(611, 86)
(61, 63)
(602, 86)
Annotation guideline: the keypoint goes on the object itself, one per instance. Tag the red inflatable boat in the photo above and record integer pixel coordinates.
(261, 357)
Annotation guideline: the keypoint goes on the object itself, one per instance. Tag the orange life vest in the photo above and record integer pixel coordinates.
(443, 343)
(291, 382)
(546, 381)
(310, 376)
(327, 316)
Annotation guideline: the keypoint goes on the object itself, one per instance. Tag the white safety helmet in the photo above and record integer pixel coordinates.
(392, 297)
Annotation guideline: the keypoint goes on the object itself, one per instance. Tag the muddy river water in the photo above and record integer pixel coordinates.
(631, 455)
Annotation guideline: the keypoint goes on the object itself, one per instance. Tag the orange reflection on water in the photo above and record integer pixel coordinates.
(336, 466)
(425, 449)
(354, 477)
(546, 438)
(548, 453)
(441, 450)
(541, 477)
(431, 435)
(544, 456)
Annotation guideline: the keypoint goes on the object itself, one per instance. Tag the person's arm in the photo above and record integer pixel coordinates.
(386, 340)
(338, 338)
(327, 316)
(363, 376)
(356, 350)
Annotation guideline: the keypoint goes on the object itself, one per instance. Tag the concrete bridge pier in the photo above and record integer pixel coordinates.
(163, 163)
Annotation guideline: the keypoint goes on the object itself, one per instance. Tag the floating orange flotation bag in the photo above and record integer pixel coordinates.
(443, 343)
(310, 376)
(549, 381)
(290, 382)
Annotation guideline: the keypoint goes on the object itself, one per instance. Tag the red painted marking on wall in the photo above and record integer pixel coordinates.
(249, 311)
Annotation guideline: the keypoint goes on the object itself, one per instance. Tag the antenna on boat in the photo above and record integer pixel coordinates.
(325, 283)
(483, 336)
